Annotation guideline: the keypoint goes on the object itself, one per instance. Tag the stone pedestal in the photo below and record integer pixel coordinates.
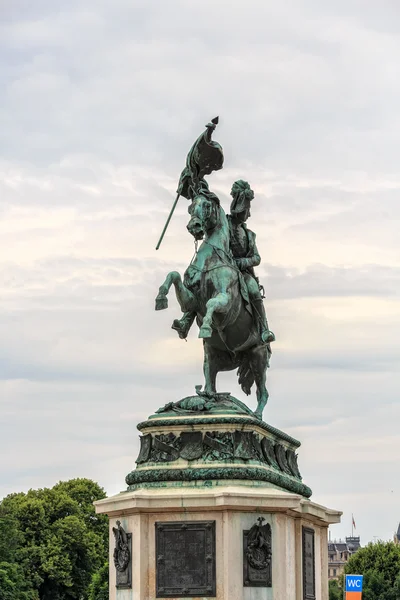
(234, 509)
(216, 508)
(213, 449)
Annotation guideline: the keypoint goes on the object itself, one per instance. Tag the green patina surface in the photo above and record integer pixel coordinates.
(218, 403)
(220, 290)
(231, 420)
(160, 477)
(258, 452)
(186, 443)
(206, 483)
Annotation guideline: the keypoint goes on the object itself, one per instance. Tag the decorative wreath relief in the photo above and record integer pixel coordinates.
(259, 549)
(122, 554)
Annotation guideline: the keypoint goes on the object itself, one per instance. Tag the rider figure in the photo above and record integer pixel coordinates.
(244, 250)
(245, 254)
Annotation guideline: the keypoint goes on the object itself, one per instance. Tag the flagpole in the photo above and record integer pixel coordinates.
(204, 157)
(168, 220)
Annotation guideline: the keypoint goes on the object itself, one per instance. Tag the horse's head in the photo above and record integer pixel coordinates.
(205, 215)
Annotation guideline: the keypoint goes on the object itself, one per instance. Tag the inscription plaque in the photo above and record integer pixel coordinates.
(185, 559)
(308, 564)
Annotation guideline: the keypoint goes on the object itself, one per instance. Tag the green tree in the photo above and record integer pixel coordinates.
(59, 540)
(98, 589)
(335, 592)
(380, 565)
(12, 584)
(10, 538)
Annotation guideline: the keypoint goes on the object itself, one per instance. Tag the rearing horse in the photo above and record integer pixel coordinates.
(214, 289)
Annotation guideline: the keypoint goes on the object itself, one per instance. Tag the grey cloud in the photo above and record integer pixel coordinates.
(141, 45)
(322, 281)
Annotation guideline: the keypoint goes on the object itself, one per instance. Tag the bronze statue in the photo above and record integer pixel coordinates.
(220, 288)
(245, 252)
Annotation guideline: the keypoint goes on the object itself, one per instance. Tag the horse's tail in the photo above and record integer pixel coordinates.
(245, 374)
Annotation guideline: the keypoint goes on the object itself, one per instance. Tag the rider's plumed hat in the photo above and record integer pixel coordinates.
(242, 196)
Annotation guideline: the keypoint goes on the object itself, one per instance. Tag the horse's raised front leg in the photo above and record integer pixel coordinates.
(184, 296)
(219, 304)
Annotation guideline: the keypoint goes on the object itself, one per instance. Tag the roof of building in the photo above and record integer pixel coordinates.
(350, 544)
(353, 543)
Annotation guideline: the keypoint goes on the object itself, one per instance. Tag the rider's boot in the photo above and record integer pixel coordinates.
(183, 325)
(267, 336)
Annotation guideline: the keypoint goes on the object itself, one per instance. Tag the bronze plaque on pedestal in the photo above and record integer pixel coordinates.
(308, 547)
(185, 559)
(257, 555)
(122, 557)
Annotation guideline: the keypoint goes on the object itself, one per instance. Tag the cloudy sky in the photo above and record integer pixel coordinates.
(100, 101)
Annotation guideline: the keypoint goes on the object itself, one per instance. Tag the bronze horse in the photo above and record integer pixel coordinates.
(214, 289)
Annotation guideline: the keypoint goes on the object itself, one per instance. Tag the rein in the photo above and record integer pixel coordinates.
(224, 262)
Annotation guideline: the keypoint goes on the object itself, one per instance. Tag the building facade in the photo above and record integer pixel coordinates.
(339, 553)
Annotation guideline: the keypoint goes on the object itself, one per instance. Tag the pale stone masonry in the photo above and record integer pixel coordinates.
(234, 509)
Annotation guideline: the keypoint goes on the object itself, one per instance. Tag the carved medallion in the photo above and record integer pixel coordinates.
(308, 564)
(122, 556)
(292, 462)
(145, 448)
(257, 548)
(191, 445)
(258, 455)
(267, 447)
(243, 441)
(280, 453)
(185, 559)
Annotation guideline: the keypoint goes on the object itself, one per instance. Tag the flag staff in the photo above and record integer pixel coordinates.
(353, 524)
(168, 220)
(205, 156)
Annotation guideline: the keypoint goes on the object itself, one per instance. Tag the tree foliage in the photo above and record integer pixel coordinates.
(335, 592)
(51, 542)
(380, 565)
(98, 589)
(12, 584)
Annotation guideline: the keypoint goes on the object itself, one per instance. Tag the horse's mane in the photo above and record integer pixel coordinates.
(222, 216)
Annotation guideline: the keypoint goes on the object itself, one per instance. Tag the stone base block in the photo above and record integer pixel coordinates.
(173, 547)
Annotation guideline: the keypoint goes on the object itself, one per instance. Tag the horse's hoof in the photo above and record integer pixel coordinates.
(258, 415)
(205, 332)
(161, 302)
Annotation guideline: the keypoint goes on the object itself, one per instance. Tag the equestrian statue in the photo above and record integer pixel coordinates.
(220, 288)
